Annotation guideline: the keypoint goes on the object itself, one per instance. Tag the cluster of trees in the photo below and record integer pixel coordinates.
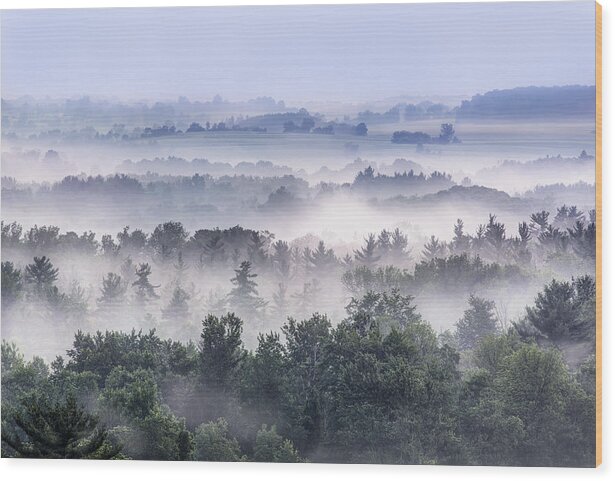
(178, 166)
(221, 127)
(447, 136)
(401, 112)
(116, 190)
(400, 183)
(26, 116)
(570, 235)
(308, 125)
(380, 387)
(292, 274)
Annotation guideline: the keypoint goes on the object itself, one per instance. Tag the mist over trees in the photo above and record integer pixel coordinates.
(398, 281)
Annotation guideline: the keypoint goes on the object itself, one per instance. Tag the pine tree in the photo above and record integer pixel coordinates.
(178, 308)
(540, 221)
(145, 290)
(320, 259)
(477, 322)
(127, 269)
(55, 430)
(109, 247)
(384, 243)
(495, 234)
(461, 242)
(281, 260)
(113, 291)
(367, 254)
(347, 261)
(41, 273)
(11, 283)
(244, 296)
(564, 311)
(213, 250)
(221, 350)
(257, 249)
(434, 248)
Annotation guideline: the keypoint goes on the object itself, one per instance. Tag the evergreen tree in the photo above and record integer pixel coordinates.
(221, 350)
(109, 248)
(384, 243)
(539, 222)
(399, 247)
(461, 242)
(495, 234)
(244, 296)
(144, 289)
(367, 254)
(167, 239)
(113, 291)
(321, 259)
(347, 261)
(433, 249)
(11, 284)
(60, 430)
(281, 260)
(127, 269)
(41, 273)
(564, 311)
(178, 309)
(213, 250)
(257, 249)
(477, 322)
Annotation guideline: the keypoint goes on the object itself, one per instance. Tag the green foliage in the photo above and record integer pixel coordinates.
(220, 350)
(386, 310)
(101, 353)
(143, 287)
(379, 387)
(41, 273)
(264, 378)
(132, 394)
(11, 284)
(564, 310)
(113, 291)
(177, 310)
(244, 296)
(524, 408)
(367, 254)
(477, 322)
(361, 280)
(158, 436)
(270, 447)
(212, 442)
(462, 272)
(47, 429)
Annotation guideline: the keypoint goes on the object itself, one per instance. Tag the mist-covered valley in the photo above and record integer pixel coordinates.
(255, 221)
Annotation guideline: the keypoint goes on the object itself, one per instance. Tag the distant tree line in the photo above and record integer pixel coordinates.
(447, 136)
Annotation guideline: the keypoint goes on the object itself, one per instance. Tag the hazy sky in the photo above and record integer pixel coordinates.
(348, 53)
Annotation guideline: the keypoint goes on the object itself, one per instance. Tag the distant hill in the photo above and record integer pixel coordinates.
(571, 101)
(458, 195)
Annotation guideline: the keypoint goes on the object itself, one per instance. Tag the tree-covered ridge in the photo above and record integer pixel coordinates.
(379, 387)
